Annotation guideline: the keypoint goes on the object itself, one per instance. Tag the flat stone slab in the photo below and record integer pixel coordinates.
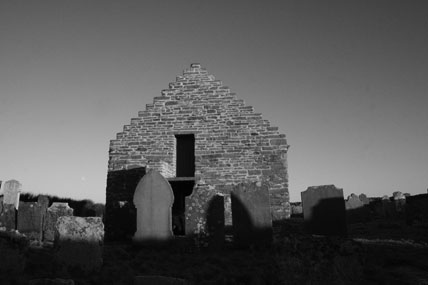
(153, 199)
(324, 210)
(251, 215)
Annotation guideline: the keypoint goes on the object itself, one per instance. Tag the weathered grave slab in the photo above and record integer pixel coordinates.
(296, 209)
(158, 280)
(11, 192)
(55, 211)
(8, 217)
(353, 202)
(29, 218)
(153, 199)
(43, 202)
(251, 217)
(324, 210)
(79, 241)
(364, 199)
(1, 204)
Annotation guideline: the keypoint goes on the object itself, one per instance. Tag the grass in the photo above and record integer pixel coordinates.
(294, 258)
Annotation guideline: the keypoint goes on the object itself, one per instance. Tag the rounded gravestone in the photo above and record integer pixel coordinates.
(153, 199)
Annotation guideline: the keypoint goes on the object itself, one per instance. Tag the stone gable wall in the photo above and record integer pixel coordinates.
(233, 144)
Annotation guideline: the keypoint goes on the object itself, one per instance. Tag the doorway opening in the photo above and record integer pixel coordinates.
(185, 155)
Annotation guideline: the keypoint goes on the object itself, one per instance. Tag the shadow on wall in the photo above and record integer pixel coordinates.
(215, 222)
(328, 217)
(250, 229)
(120, 213)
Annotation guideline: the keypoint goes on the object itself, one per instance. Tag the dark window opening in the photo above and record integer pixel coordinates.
(181, 189)
(185, 163)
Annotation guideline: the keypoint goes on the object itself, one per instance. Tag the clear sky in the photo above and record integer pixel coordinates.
(346, 81)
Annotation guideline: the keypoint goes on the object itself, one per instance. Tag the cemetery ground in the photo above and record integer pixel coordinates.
(377, 252)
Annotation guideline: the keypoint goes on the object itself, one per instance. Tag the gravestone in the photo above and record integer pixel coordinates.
(29, 218)
(364, 199)
(153, 199)
(43, 202)
(296, 209)
(356, 211)
(158, 280)
(79, 242)
(353, 202)
(399, 202)
(251, 216)
(324, 210)
(7, 217)
(1, 204)
(55, 211)
(11, 192)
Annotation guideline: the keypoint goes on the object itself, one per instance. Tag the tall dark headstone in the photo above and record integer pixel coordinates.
(251, 215)
(324, 210)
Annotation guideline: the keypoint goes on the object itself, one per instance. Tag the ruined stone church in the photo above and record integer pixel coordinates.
(204, 141)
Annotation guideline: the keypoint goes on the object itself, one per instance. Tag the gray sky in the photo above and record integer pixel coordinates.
(346, 81)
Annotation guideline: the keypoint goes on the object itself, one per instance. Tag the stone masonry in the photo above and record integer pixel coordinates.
(232, 145)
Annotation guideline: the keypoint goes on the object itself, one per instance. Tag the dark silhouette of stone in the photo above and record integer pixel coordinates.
(120, 213)
(324, 210)
(251, 215)
(417, 209)
(153, 199)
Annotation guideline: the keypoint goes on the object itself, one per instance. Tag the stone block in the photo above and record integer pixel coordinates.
(251, 215)
(153, 199)
(79, 242)
(55, 211)
(324, 210)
